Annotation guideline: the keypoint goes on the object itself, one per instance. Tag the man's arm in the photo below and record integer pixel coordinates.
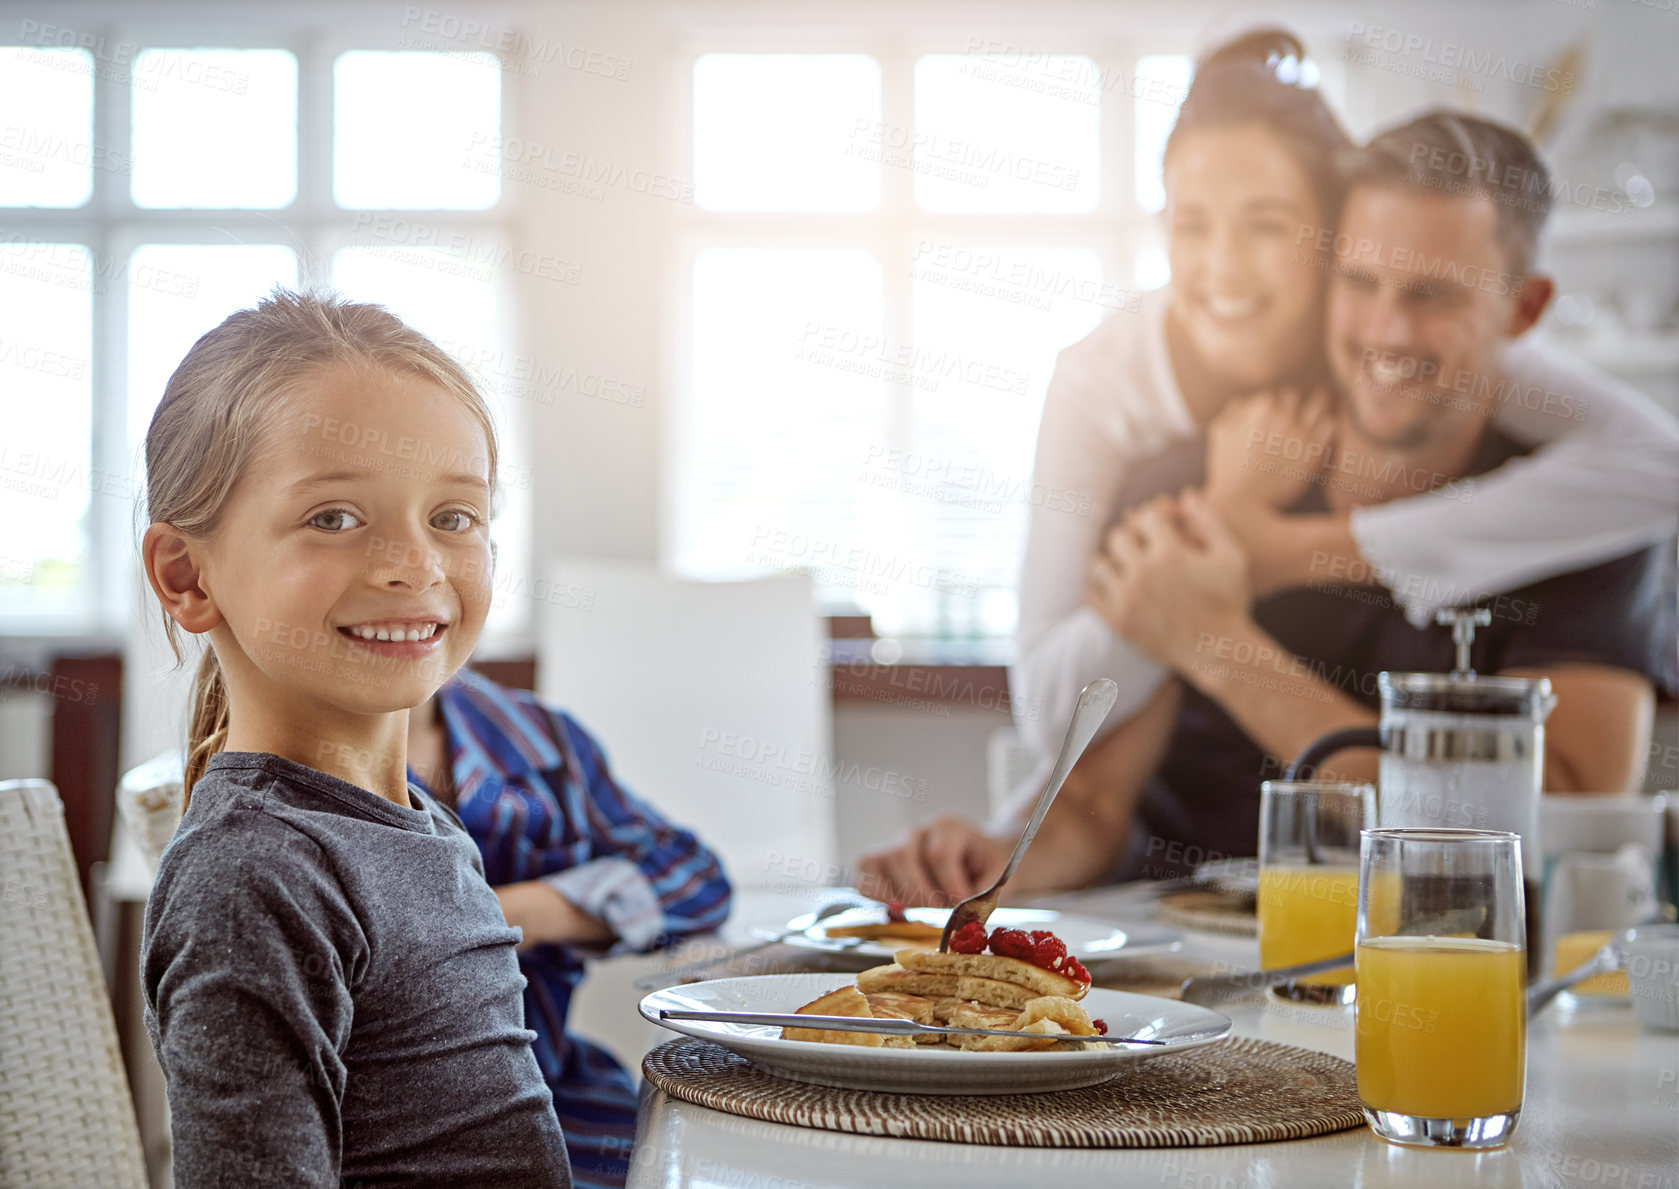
(1179, 587)
(1299, 550)
(1276, 698)
(1082, 836)
(1185, 603)
(1597, 740)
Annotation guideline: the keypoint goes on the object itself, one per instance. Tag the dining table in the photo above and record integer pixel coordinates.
(1601, 1106)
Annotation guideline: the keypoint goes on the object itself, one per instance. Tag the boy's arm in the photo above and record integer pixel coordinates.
(248, 1006)
(647, 882)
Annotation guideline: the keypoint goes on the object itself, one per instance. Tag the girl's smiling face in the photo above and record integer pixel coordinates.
(352, 568)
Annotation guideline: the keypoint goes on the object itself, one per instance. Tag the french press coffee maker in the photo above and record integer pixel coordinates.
(1458, 750)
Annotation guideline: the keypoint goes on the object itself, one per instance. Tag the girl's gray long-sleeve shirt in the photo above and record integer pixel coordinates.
(333, 993)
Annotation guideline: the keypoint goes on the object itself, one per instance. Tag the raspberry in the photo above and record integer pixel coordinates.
(1101, 1027)
(968, 939)
(1074, 969)
(1011, 943)
(895, 911)
(1048, 950)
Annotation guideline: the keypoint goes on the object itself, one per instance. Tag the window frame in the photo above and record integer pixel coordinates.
(111, 226)
(1116, 230)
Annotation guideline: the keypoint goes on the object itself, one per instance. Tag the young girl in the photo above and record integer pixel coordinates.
(331, 987)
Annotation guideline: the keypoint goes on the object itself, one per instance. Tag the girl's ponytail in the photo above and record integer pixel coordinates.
(207, 729)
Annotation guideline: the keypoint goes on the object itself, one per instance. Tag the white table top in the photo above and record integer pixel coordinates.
(1601, 1108)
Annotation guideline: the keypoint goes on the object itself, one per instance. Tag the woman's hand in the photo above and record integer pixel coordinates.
(937, 864)
(1171, 575)
(1263, 449)
(548, 917)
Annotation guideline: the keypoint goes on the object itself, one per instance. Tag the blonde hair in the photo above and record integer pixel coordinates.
(226, 392)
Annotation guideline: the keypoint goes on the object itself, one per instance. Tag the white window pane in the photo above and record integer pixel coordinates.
(786, 132)
(46, 132)
(790, 369)
(416, 130)
(982, 145)
(461, 304)
(46, 473)
(988, 325)
(176, 292)
(215, 128)
(1153, 268)
(1157, 74)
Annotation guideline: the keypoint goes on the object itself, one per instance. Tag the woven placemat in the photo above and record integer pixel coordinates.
(1212, 911)
(1240, 1091)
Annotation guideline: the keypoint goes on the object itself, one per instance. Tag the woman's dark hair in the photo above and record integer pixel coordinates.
(1257, 79)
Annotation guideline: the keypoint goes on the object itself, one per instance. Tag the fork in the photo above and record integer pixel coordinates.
(1095, 701)
(1610, 956)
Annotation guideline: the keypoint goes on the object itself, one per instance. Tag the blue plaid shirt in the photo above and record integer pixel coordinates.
(534, 791)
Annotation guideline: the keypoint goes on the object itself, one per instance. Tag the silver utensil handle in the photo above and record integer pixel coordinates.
(1231, 985)
(892, 1027)
(1094, 702)
(1609, 957)
(1540, 997)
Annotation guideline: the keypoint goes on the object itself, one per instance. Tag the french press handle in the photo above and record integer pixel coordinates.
(1320, 749)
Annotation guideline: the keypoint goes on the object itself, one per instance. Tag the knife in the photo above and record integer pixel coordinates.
(890, 1026)
(1212, 990)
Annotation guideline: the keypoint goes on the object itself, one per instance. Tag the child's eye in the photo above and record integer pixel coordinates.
(455, 520)
(335, 520)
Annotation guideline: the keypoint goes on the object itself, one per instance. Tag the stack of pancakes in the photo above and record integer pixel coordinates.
(960, 990)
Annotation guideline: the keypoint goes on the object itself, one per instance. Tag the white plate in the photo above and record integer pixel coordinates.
(1088, 939)
(925, 1070)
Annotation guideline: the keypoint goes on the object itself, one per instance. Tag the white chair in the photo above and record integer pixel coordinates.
(66, 1118)
(711, 700)
(713, 703)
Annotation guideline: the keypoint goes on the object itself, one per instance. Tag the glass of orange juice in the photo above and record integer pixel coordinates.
(1308, 880)
(1440, 1027)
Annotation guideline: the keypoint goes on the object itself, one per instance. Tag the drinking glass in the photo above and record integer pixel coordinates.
(1440, 1025)
(1308, 880)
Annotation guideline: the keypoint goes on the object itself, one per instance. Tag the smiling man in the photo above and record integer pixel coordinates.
(1433, 283)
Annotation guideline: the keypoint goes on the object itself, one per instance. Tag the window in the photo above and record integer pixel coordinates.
(865, 368)
(1166, 76)
(201, 185)
(785, 132)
